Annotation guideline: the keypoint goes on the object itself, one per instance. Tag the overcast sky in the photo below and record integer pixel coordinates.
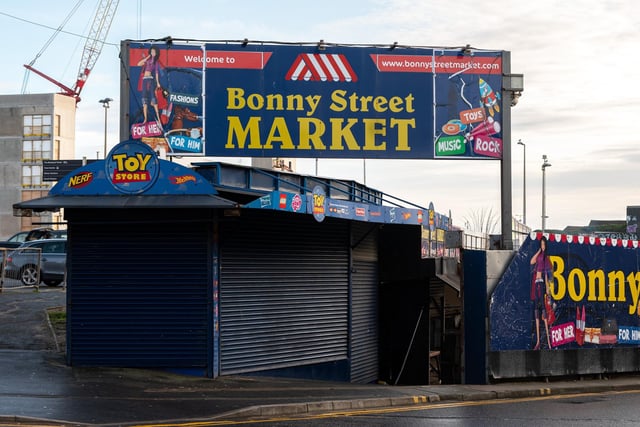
(579, 106)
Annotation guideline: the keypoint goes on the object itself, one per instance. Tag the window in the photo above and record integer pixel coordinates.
(31, 176)
(37, 125)
(56, 126)
(53, 247)
(34, 150)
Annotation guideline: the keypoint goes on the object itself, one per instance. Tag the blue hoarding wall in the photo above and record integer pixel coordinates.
(284, 100)
(586, 296)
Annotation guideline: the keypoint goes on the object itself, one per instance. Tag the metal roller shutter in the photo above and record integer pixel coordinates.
(283, 292)
(138, 291)
(364, 303)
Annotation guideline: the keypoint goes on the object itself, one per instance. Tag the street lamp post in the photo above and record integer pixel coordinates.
(545, 165)
(105, 103)
(524, 181)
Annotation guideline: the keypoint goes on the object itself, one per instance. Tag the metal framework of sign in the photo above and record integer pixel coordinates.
(313, 101)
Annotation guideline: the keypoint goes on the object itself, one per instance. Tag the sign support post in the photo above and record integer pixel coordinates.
(506, 211)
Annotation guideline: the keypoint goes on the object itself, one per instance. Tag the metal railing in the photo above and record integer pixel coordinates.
(35, 260)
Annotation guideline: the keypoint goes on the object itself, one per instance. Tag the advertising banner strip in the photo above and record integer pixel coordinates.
(321, 206)
(445, 64)
(624, 242)
(192, 58)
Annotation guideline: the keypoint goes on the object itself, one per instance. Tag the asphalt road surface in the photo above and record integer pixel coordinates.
(23, 316)
(619, 409)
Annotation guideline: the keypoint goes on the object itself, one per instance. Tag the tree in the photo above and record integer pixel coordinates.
(484, 220)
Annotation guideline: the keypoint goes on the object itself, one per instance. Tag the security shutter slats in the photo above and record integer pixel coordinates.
(284, 301)
(364, 305)
(138, 291)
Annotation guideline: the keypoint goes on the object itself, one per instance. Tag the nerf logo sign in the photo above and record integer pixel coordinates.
(321, 67)
(80, 180)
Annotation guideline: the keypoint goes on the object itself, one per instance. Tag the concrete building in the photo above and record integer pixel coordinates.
(33, 128)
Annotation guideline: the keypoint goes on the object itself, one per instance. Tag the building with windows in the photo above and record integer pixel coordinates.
(33, 128)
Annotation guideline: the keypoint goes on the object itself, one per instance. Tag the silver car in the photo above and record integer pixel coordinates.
(50, 254)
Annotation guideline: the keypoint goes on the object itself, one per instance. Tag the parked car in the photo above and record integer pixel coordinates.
(19, 237)
(22, 263)
(8, 244)
(37, 234)
(5, 247)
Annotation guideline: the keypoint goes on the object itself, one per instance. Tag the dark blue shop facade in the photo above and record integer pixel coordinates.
(223, 269)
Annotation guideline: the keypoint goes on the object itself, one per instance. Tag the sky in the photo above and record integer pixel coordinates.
(578, 107)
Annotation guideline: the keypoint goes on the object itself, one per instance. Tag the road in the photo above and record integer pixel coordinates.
(27, 329)
(618, 409)
(35, 382)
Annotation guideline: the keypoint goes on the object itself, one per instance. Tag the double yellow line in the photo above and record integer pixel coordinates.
(545, 394)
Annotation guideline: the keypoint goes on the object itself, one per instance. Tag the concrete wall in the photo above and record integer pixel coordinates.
(65, 106)
(10, 174)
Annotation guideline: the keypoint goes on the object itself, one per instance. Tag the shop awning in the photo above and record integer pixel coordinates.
(125, 201)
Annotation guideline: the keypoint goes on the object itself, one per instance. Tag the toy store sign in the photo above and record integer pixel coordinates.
(271, 100)
(132, 168)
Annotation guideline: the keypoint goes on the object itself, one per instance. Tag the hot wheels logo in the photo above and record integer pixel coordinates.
(321, 67)
(182, 179)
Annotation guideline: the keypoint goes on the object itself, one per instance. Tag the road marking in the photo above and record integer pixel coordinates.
(545, 394)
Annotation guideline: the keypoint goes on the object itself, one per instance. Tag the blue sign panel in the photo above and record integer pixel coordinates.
(320, 206)
(276, 100)
(130, 168)
(563, 291)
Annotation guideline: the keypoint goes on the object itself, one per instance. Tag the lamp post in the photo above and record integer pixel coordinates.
(105, 103)
(524, 181)
(545, 165)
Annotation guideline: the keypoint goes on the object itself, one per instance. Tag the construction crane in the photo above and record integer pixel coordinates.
(93, 47)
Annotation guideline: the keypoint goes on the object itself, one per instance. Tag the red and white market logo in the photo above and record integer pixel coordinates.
(321, 67)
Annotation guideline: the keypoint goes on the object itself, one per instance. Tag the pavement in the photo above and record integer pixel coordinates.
(38, 388)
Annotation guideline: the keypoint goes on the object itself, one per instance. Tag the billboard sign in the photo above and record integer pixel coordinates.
(284, 100)
(584, 292)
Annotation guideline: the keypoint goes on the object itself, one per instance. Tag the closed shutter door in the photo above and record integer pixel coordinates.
(364, 302)
(283, 292)
(138, 292)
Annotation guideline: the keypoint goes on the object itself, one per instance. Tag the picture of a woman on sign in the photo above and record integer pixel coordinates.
(150, 81)
(540, 291)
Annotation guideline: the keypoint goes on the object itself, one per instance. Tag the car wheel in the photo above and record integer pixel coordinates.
(29, 275)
